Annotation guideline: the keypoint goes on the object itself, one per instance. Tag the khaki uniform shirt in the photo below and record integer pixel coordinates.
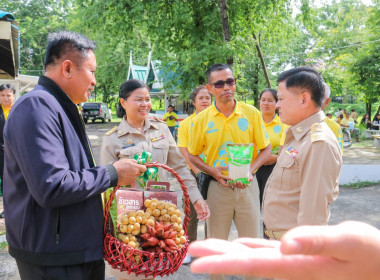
(125, 141)
(305, 180)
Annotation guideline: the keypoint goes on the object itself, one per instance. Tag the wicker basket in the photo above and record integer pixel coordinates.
(125, 258)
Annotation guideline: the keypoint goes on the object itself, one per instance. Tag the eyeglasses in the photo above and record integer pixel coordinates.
(220, 84)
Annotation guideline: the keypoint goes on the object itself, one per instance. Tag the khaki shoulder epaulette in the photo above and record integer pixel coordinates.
(317, 133)
(112, 130)
(157, 120)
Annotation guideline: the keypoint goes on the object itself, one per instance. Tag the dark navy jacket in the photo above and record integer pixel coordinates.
(52, 190)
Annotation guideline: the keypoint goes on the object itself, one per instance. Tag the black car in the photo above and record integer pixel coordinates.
(96, 111)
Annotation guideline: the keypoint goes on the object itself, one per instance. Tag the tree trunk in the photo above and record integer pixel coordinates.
(262, 60)
(225, 26)
(368, 108)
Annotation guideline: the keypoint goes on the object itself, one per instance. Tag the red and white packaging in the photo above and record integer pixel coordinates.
(129, 200)
(161, 191)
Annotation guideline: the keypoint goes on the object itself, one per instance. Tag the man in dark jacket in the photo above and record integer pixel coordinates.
(52, 188)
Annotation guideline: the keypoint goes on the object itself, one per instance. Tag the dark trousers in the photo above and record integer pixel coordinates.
(85, 271)
(262, 176)
(171, 128)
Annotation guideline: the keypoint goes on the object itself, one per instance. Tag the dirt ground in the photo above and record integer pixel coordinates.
(360, 205)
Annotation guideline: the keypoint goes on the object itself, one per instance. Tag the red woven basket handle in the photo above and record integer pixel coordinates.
(180, 181)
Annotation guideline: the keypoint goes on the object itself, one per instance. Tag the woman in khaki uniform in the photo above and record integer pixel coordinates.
(136, 133)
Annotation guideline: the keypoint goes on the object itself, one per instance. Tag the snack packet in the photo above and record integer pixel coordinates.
(239, 162)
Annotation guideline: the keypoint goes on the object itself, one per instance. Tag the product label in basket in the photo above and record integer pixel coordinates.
(161, 191)
(129, 200)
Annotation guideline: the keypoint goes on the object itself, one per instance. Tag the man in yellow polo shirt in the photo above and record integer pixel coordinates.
(170, 118)
(228, 121)
(334, 126)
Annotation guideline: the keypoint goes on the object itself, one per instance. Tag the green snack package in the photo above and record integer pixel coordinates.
(239, 162)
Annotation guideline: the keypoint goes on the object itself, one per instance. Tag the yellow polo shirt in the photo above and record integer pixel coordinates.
(184, 131)
(335, 127)
(211, 131)
(345, 121)
(275, 131)
(170, 123)
(6, 110)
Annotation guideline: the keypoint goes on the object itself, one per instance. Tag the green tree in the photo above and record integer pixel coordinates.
(36, 18)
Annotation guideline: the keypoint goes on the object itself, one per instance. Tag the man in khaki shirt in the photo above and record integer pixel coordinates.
(305, 179)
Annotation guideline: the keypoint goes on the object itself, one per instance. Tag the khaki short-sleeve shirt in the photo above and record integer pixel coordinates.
(305, 180)
(125, 141)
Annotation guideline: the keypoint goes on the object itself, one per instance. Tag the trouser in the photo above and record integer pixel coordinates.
(262, 176)
(192, 226)
(238, 205)
(171, 128)
(346, 131)
(85, 271)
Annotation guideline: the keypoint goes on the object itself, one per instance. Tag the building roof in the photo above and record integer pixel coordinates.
(6, 16)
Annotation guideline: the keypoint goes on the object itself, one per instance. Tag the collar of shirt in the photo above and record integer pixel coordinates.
(237, 109)
(303, 127)
(125, 128)
(275, 120)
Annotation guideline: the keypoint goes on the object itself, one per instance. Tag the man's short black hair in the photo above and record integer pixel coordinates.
(171, 106)
(216, 67)
(67, 43)
(304, 78)
(7, 86)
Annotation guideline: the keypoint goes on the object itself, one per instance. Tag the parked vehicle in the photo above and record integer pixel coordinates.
(96, 111)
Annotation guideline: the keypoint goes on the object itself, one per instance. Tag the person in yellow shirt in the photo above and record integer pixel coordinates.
(7, 96)
(228, 121)
(201, 100)
(348, 127)
(334, 126)
(275, 129)
(170, 118)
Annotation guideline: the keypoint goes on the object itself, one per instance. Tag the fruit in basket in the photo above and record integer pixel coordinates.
(157, 229)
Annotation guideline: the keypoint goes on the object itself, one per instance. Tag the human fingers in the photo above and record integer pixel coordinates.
(202, 209)
(335, 241)
(213, 246)
(258, 242)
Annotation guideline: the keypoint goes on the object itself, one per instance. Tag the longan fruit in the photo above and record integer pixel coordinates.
(175, 226)
(148, 213)
(153, 205)
(144, 220)
(136, 231)
(130, 228)
(182, 239)
(120, 236)
(181, 233)
(178, 212)
(139, 219)
(166, 217)
(174, 218)
(140, 213)
(163, 212)
(123, 228)
(150, 222)
(136, 226)
(155, 200)
(161, 205)
(132, 214)
(132, 244)
(167, 205)
(125, 239)
(132, 237)
(171, 211)
(132, 220)
(124, 220)
(177, 240)
(156, 212)
(180, 227)
(179, 220)
(161, 218)
(147, 203)
(143, 229)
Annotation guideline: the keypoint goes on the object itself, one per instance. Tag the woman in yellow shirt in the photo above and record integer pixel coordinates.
(275, 129)
(201, 99)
